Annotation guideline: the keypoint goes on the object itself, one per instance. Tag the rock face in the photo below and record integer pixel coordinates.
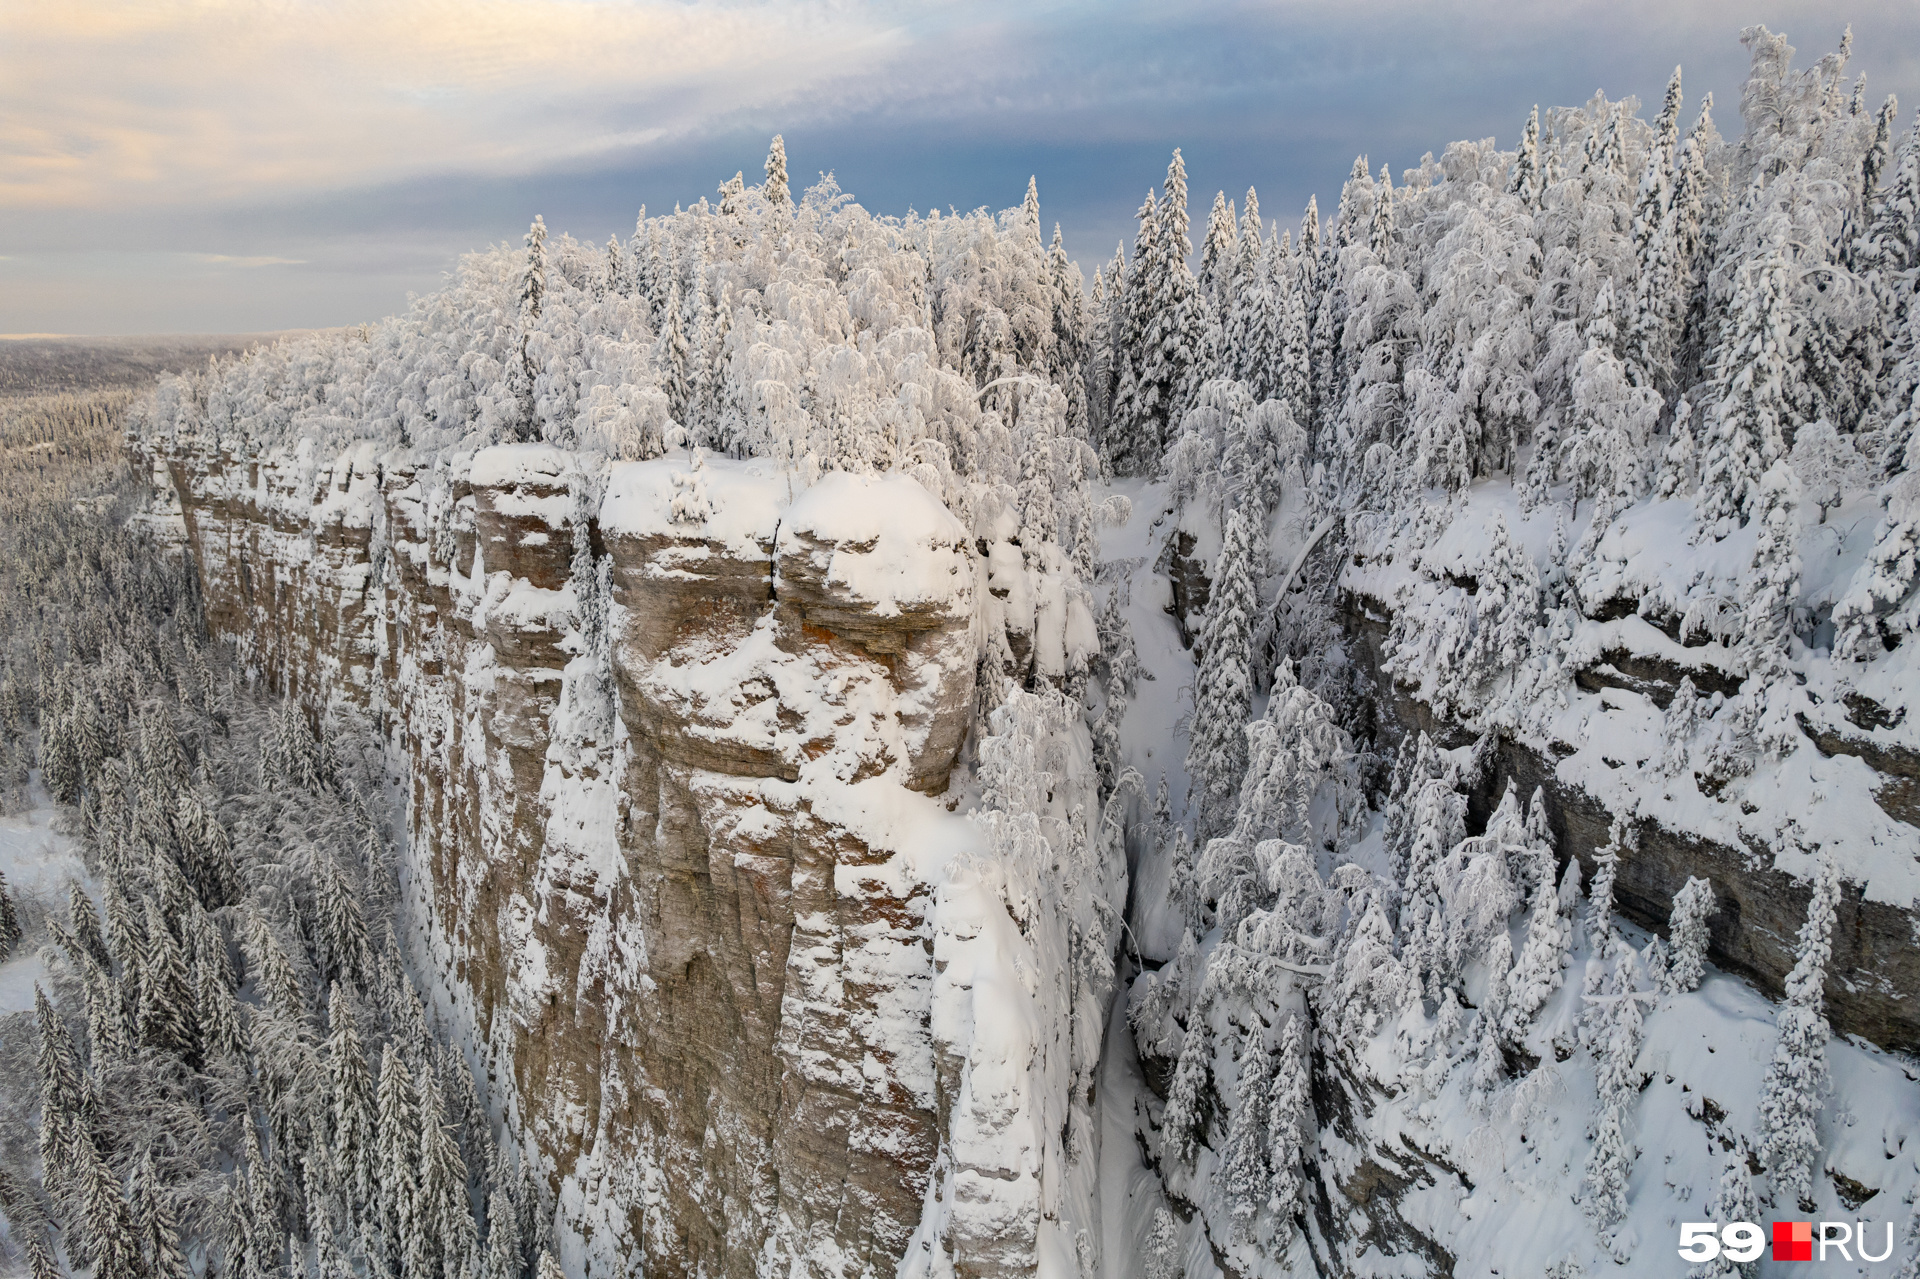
(1875, 970)
(1874, 974)
(669, 803)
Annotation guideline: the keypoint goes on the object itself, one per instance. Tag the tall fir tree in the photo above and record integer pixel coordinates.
(1245, 1173)
(354, 1128)
(1752, 395)
(108, 1240)
(1526, 179)
(62, 1095)
(1289, 1120)
(1140, 403)
(157, 1224)
(1177, 334)
(533, 292)
(1540, 969)
(11, 932)
(167, 1018)
(1733, 1200)
(1693, 905)
(1793, 1092)
(398, 1122)
(775, 189)
(1773, 575)
(1659, 301)
(1223, 686)
(443, 1210)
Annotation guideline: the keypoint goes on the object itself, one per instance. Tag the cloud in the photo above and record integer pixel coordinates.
(156, 152)
(178, 102)
(213, 100)
(224, 259)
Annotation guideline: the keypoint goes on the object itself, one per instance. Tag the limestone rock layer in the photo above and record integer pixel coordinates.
(670, 773)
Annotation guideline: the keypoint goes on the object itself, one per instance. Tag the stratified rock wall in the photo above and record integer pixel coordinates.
(1875, 969)
(678, 878)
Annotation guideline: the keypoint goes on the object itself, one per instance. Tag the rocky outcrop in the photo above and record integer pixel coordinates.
(1875, 970)
(677, 875)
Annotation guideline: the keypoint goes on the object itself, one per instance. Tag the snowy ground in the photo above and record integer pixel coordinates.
(1705, 1055)
(1153, 736)
(38, 862)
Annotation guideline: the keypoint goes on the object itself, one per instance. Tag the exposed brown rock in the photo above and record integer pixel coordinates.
(714, 1027)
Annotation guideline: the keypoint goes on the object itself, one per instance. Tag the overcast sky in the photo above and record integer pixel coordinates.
(218, 166)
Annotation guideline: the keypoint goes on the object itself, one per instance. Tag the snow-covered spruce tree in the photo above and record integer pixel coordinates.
(1177, 336)
(1162, 1250)
(342, 928)
(1183, 1124)
(1140, 404)
(1526, 178)
(354, 1128)
(1301, 784)
(1773, 579)
(1068, 359)
(1796, 1080)
(62, 1095)
(399, 1138)
(1752, 400)
(1610, 422)
(166, 991)
(1489, 1061)
(278, 978)
(1598, 923)
(1250, 460)
(108, 1037)
(1543, 956)
(1882, 603)
(1733, 1200)
(156, 1224)
(1677, 728)
(1693, 905)
(1245, 1174)
(775, 190)
(1506, 609)
(221, 1034)
(1368, 982)
(503, 1252)
(1471, 387)
(533, 289)
(10, 928)
(1119, 670)
(443, 1203)
(1245, 327)
(1659, 302)
(1290, 1121)
(1164, 336)
(107, 1236)
(674, 357)
(1437, 826)
(1218, 251)
(1223, 686)
(1610, 1162)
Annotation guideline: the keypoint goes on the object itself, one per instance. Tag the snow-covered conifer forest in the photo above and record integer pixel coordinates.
(804, 742)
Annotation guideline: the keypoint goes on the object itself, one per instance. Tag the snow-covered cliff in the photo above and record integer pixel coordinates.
(676, 743)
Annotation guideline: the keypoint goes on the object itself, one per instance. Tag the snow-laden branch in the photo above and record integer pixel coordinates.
(1017, 377)
(1325, 527)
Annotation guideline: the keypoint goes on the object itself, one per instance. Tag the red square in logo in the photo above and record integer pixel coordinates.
(1793, 1241)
